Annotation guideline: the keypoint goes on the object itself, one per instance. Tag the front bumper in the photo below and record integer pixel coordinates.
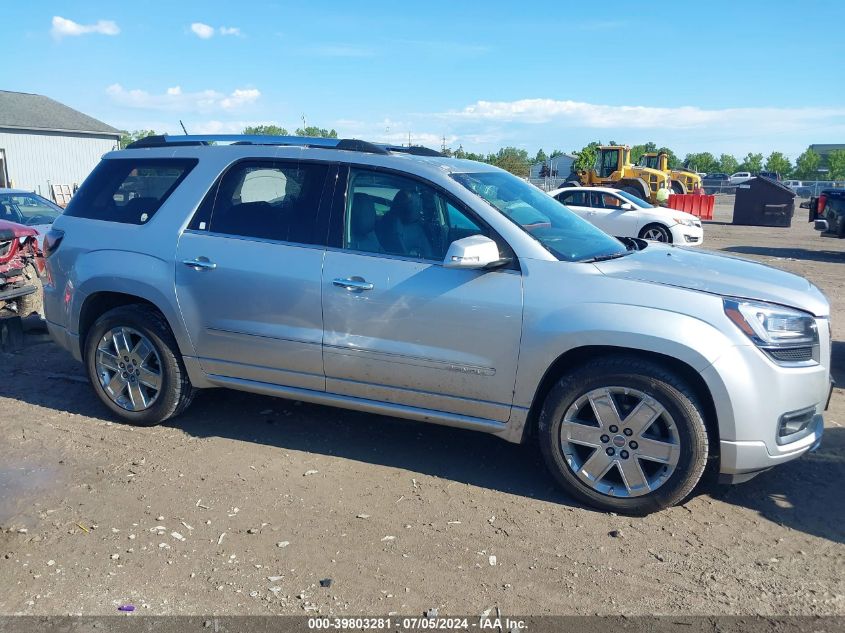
(751, 393)
(683, 235)
(743, 460)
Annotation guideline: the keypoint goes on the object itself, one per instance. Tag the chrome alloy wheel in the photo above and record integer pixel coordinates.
(620, 442)
(129, 368)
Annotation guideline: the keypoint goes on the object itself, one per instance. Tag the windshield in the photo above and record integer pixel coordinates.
(28, 209)
(559, 230)
(637, 201)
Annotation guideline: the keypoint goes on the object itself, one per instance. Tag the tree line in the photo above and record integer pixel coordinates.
(519, 161)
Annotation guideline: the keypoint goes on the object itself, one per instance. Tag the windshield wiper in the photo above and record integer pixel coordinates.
(604, 258)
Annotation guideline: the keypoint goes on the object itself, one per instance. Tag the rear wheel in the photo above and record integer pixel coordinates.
(624, 435)
(656, 233)
(571, 183)
(135, 367)
(677, 187)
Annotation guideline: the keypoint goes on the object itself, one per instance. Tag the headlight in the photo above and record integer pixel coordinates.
(787, 335)
(684, 221)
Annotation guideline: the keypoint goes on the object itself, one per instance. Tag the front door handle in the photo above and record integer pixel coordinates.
(200, 263)
(353, 284)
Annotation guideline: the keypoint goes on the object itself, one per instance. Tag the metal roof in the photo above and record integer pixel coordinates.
(25, 111)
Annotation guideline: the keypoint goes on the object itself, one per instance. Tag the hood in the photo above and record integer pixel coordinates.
(10, 230)
(717, 274)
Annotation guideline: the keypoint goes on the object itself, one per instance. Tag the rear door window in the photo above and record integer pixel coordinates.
(274, 200)
(129, 191)
(574, 198)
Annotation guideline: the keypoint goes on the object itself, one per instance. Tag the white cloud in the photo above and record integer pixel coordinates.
(62, 27)
(643, 117)
(626, 117)
(239, 98)
(202, 31)
(175, 99)
(206, 31)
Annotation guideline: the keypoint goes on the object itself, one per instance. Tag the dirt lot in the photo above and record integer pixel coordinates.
(245, 503)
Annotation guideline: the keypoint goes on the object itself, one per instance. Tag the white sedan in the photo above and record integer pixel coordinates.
(622, 214)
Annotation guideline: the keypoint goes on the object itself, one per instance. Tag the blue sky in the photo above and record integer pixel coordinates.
(719, 76)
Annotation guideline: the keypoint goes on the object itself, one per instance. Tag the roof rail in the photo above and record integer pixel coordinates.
(164, 140)
(416, 150)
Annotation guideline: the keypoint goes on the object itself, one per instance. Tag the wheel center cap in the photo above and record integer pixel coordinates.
(619, 441)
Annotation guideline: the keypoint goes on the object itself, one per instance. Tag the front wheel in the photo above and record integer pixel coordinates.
(135, 367)
(624, 435)
(656, 233)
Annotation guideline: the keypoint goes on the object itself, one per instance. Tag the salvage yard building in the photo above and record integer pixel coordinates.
(44, 143)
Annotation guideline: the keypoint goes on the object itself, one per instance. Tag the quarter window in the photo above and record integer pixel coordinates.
(394, 215)
(130, 191)
(271, 200)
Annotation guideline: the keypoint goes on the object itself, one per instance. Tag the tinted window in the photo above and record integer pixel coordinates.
(608, 160)
(268, 199)
(574, 198)
(128, 190)
(400, 216)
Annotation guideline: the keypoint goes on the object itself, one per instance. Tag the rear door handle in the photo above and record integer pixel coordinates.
(200, 263)
(353, 284)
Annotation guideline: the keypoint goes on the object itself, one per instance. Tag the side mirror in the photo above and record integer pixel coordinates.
(473, 252)
(627, 206)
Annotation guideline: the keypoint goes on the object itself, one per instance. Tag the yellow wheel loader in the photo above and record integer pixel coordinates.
(613, 168)
(683, 181)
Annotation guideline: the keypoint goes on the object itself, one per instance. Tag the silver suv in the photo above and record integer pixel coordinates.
(397, 281)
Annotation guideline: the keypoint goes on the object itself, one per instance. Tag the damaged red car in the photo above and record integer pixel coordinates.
(21, 267)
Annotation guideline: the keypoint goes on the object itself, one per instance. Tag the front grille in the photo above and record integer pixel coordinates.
(792, 354)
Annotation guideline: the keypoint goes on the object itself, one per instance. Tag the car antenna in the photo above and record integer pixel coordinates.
(183, 127)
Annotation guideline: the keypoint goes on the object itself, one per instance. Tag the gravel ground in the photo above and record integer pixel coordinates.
(245, 503)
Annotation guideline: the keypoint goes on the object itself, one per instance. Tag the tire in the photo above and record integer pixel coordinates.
(656, 233)
(571, 183)
(678, 187)
(634, 191)
(138, 402)
(32, 303)
(683, 443)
